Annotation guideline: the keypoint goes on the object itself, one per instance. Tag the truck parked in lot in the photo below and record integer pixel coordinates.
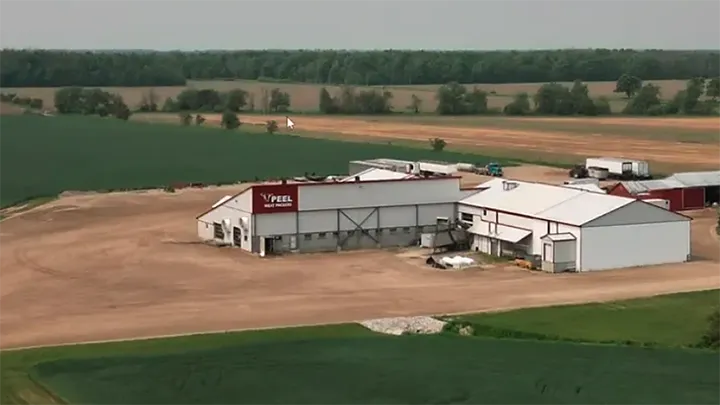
(614, 168)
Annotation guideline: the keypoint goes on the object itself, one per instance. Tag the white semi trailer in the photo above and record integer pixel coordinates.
(625, 169)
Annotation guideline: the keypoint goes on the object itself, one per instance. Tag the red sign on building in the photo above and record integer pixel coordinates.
(275, 198)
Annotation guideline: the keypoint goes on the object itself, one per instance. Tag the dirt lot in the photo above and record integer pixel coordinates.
(112, 266)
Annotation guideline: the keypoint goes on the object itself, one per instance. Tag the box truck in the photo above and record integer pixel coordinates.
(624, 169)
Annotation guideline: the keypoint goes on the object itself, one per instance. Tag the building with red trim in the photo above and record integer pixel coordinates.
(684, 191)
(370, 209)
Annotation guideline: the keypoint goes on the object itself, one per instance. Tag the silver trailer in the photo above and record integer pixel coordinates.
(620, 168)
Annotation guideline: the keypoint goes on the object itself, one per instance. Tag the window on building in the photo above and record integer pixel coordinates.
(322, 235)
(464, 216)
(336, 234)
(245, 237)
(406, 229)
(392, 230)
(484, 212)
(379, 231)
(308, 236)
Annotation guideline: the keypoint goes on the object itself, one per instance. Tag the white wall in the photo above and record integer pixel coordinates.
(538, 227)
(634, 245)
(231, 212)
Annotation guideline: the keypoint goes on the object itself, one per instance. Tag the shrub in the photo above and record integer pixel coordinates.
(230, 120)
(185, 118)
(437, 144)
(199, 119)
(711, 337)
(271, 127)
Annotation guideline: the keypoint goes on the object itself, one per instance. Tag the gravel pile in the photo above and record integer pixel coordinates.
(405, 325)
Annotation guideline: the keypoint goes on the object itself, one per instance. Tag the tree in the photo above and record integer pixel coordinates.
(454, 99)
(711, 337)
(148, 101)
(279, 101)
(271, 126)
(170, 105)
(554, 99)
(628, 84)
(327, 103)
(712, 89)
(415, 104)
(122, 112)
(648, 97)
(185, 118)
(230, 120)
(43, 68)
(235, 100)
(519, 106)
(437, 144)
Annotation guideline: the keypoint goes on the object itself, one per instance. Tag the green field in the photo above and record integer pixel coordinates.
(382, 370)
(668, 320)
(350, 365)
(43, 156)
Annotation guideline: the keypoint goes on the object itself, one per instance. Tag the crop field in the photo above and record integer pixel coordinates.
(668, 320)
(350, 365)
(44, 156)
(388, 370)
(305, 97)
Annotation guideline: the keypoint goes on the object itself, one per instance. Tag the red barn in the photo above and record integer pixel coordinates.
(685, 191)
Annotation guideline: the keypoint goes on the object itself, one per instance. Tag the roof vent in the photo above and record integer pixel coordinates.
(357, 178)
(509, 185)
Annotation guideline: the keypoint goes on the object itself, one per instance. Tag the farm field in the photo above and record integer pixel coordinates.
(673, 320)
(388, 370)
(90, 153)
(525, 140)
(305, 96)
(324, 365)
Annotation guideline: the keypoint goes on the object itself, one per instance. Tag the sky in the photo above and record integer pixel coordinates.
(358, 24)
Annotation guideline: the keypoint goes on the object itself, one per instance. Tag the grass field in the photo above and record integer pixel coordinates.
(43, 156)
(670, 320)
(348, 364)
(305, 97)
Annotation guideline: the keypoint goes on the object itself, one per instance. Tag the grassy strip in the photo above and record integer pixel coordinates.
(676, 320)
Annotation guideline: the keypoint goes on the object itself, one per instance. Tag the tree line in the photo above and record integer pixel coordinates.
(46, 68)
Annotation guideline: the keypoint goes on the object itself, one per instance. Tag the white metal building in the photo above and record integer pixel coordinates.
(374, 208)
(572, 229)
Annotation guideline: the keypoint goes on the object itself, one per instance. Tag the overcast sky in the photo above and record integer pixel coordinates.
(356, 24)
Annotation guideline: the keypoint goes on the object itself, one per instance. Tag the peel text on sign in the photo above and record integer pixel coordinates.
(277, 201)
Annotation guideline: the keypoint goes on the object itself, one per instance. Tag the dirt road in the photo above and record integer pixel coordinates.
(114, 266)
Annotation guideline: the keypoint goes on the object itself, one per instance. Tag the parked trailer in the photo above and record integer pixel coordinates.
(625, 169)
(599, 173)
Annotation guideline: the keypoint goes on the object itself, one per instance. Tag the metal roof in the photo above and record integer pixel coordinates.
(645, 186)
(587, 187)
(697, 179)
(559, 237)
(504, 232)
(545, 201)
(377, 174)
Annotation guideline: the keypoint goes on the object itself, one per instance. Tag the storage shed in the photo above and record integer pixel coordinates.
(572, 229)
(685, 191)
